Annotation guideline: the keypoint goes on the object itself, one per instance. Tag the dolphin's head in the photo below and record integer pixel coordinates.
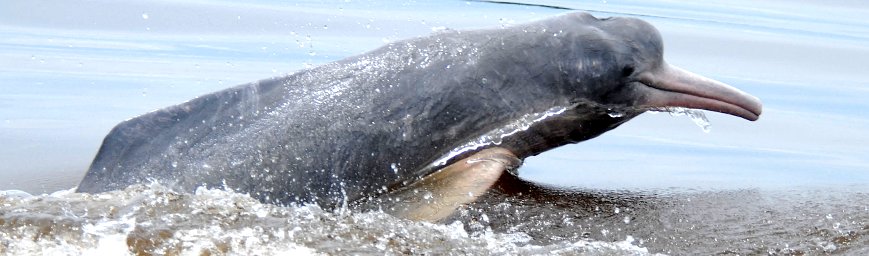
(619, 61)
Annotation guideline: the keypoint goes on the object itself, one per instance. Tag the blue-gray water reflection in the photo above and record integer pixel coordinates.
(72, 70)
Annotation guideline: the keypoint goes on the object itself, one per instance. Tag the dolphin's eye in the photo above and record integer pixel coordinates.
(627, 71)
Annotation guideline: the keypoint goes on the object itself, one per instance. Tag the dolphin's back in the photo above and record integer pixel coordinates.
(157, 146)
(336, 132)
(343, 130)
(265, 138)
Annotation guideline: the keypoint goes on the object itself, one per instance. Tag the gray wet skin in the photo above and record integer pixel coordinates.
(349, 129)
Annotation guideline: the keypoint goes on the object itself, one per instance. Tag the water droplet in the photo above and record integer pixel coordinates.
(394, 168)
(325, 27)
(174, 164)
(627, 220)
(145, 16)
(697, 116)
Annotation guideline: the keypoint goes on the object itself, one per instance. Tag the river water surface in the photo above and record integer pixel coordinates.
(794, 182)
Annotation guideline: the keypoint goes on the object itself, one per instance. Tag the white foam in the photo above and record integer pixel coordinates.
(154, 219)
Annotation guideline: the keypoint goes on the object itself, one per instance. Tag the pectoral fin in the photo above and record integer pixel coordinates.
(438, 195)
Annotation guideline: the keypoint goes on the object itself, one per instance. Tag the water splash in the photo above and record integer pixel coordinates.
(697, 116)
(496, 136)
(155, 220)
(614, 113)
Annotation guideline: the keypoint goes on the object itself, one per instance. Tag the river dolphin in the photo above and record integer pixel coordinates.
(429, 122)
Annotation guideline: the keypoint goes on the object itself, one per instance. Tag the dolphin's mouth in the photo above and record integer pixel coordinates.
(670, 86)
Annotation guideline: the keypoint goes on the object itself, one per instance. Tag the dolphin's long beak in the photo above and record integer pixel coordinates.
(679, 88)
